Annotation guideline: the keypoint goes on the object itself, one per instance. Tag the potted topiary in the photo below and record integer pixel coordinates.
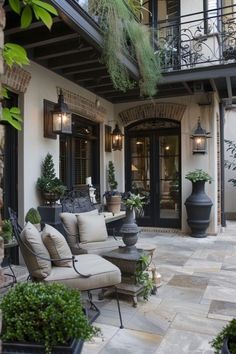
(43, 318)
(198, 204)
(34, 217)
(225, 341)
(113, 197)
(6, 232)
(48, 184)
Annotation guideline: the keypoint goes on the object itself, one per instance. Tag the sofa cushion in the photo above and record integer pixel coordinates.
(103, 246)
(56, 245)
(103, 273)
(32, 241)
(70, 224)
(92, 228)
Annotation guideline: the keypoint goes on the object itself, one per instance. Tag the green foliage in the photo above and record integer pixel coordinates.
(13, 116)
(14, 54)
(134, 201)
(124, 34)
(27, 8)
(7, 231)
(111, 176)
(49, 314)
(228, 331)
(33, 216)
(198, 175)
(142, 276)
(231, 165)
(48, 182)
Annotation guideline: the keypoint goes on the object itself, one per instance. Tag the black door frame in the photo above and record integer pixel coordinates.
(154, 135)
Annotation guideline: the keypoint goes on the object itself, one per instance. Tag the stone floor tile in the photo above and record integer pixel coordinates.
(202, 265)
(128, 341)
(222, 310)
(97, 343)
(188, 281)
(184, 342)
(175, 306)
(178, 293)
(197, 324)
(219, 293)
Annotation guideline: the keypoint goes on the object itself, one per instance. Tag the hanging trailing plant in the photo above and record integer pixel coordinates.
(123, 33)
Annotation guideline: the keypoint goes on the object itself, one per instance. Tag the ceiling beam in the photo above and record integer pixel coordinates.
(70, 65)
(16, 29)
(187, 87)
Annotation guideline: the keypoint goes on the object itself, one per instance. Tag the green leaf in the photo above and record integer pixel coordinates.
(4, 93)
(15, 5)
(15, 54)
(26, 17)
(42, 14)
(46, 6)
(12, 118)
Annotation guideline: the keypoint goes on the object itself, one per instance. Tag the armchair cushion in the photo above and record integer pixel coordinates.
(70, 224)
(31, 240)
(103, 273)
(92, 228)
(56, 245)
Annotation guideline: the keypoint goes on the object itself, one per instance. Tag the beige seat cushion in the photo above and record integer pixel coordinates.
(103, 273)
(32, 241)
(70, 224)
(92, 228)
(103, 246)
(56, 245)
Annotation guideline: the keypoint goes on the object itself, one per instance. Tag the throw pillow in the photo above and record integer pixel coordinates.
(56, 246)
(92, 228)
(32, 241)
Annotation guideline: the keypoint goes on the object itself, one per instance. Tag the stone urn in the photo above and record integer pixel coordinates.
(129, 230)
(198, 206)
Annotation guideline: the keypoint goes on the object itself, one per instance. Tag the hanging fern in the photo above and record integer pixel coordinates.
(123, 34)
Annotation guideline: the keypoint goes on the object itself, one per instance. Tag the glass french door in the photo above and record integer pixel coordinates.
(153, 170)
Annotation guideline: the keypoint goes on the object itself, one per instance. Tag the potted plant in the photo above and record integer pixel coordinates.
(48, 184)
(6, 232)
(113, 197)
(198, 204)
(44, 318)
(225, 341)
(134, 204)
(34, 217)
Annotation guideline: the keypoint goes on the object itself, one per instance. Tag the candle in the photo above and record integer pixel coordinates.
(89, 181)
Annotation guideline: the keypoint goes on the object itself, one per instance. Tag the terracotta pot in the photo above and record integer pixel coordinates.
(113, 204)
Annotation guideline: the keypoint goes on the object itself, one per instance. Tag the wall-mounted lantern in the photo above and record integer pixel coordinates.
(61, 117)
(199, 138)
(117, 138)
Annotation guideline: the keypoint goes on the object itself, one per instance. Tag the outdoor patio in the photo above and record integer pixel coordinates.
(196, 299)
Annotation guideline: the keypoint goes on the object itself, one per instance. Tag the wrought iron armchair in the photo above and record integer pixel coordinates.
(76, 260)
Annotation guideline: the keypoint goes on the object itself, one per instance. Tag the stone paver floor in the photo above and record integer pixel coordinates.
(196, 299)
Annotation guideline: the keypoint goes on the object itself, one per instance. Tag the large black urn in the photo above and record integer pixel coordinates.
(198, 206)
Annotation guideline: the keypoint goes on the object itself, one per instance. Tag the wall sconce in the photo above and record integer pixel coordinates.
(200, 137)
(61, 117)
(117, 138)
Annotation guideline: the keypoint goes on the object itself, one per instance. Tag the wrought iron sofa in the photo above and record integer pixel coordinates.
(85, 228)
(49, 259)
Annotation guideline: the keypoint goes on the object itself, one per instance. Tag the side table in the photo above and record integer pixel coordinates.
(126, 262)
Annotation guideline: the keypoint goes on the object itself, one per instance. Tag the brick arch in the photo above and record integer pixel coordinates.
(156, 110)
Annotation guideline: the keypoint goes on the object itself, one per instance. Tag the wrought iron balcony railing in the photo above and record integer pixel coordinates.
(194, 40)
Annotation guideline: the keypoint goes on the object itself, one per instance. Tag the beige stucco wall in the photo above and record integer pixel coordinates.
(230, 191)
(207, 162)
(34, 146)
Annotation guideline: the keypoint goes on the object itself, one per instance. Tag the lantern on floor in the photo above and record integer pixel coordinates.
(117, 138)
(199, 138)
(62, 120)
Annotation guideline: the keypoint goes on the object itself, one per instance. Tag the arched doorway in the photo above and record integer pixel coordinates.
(152, 168)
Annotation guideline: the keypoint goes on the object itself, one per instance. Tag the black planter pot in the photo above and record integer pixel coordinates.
(198, 206)
(75, 347)
(226, 345)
